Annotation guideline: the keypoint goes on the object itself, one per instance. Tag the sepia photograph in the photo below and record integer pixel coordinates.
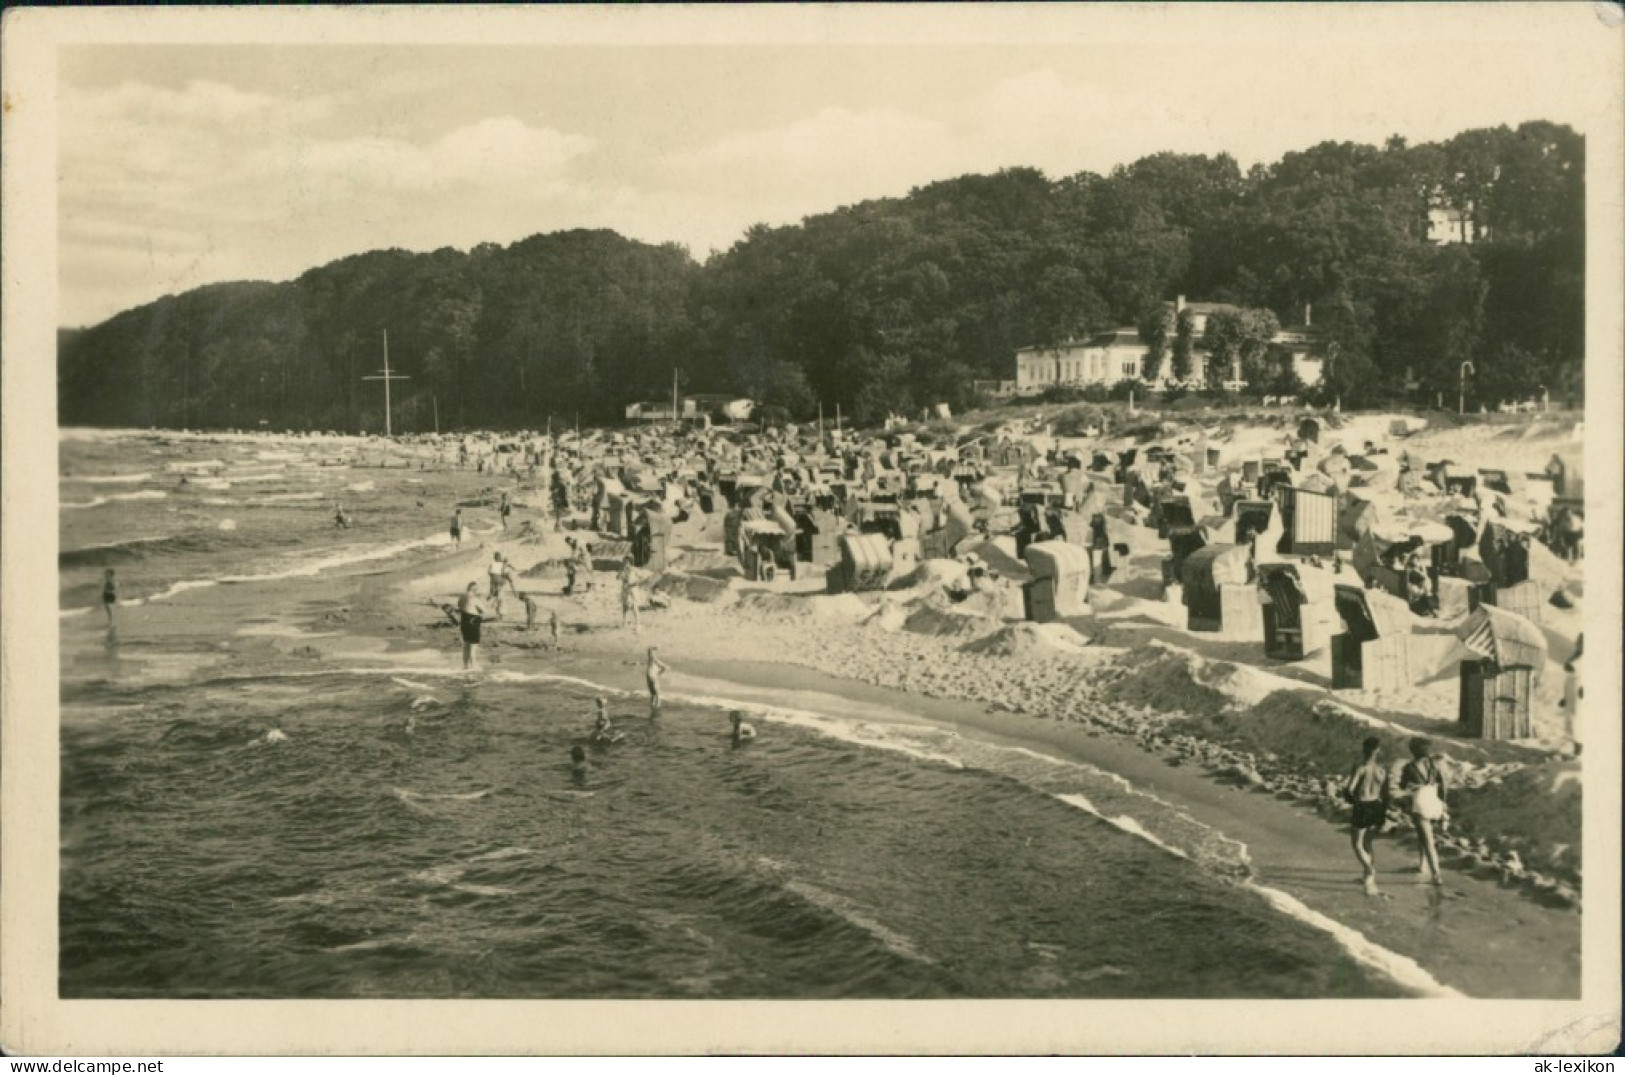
(979, 503)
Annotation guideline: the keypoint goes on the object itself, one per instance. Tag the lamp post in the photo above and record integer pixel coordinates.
(1461, 399)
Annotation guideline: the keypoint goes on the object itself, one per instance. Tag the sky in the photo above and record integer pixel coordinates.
(181, 165)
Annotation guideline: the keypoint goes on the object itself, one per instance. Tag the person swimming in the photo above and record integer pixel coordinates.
(578, 761)
(109, 595)
(602, 730)
(742, 731)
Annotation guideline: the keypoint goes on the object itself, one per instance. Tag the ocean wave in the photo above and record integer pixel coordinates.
(852, 914)
(1402, 969)
(302, 569)
(112, 546)
(108, 478)
(454, 796)
(96, 502)
(143, 548)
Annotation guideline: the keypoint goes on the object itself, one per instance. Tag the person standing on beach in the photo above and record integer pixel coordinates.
(629, 606)
(1422, 786)
(530, 610)
(498, 570)
(470, 614)
(109, 595)
(1367, 790)
(457, 528)
(505, 509)
(553, 627)
(652, 671)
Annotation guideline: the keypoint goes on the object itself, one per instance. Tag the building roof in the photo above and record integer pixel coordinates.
(1116, 337)
(1206, 307)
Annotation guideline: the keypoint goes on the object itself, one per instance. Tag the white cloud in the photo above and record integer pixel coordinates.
(490, 153)
(168, 189)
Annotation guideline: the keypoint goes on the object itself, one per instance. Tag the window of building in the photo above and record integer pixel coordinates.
(1131, 369)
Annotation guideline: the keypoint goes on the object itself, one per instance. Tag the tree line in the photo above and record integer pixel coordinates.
(899, 303)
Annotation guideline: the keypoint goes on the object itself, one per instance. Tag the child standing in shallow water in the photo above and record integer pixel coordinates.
(652, 672)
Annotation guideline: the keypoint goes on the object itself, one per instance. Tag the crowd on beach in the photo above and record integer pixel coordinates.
(678, 513)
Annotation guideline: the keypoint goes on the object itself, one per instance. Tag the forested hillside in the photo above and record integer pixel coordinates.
(896, 303)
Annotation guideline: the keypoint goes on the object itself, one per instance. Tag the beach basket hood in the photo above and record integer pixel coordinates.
(1503, 637)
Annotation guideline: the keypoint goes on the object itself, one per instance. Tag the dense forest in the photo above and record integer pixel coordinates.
(896, 303)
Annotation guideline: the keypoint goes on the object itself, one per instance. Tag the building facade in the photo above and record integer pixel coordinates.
(1119, 355)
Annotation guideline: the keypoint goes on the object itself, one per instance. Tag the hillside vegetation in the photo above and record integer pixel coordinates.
(896, 303)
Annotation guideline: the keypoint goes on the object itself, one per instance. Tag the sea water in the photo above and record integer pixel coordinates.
(415, 833)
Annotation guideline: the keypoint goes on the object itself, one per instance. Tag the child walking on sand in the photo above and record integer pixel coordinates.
(1421, 784)
(1367, 791)
(629, 602)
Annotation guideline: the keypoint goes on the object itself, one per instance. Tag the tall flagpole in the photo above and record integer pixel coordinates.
(386, 376)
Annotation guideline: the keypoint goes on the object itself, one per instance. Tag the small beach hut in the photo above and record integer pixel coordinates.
(1169, 510)
(1498, 680)
(1309, 522)
(1184, 537)
(1373, 650)
(1218, 593)
(1294, 626)
(818, 533)
(1505, 552)
(1060, 581)
(865, 562)
(651, 541)
(765, 550)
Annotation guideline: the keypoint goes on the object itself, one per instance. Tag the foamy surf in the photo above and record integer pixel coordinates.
(453, 796)
(106, 546)
(108, 479)
(1402, 969)
(96, 502)
(304, 569)
(849, 912)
